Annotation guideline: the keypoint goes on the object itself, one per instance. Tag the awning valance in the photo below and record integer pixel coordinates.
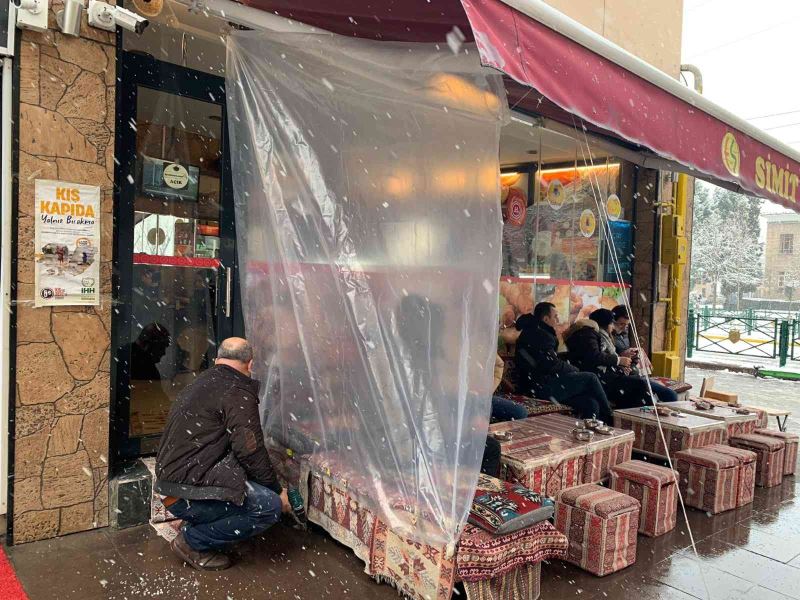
(579, 73)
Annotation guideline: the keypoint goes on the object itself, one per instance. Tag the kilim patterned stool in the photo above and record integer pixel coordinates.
(601, 527)
(771, 452)
(791, 441)
(655, 487)
(746, 478)
(707, 479)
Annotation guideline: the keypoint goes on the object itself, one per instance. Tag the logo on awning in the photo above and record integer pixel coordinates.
(731, 156)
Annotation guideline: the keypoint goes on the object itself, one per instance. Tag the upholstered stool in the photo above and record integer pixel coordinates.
(655, 487)
(601, 527)
(707, 479)
(791, 441)
(771, 452)
(746, 477)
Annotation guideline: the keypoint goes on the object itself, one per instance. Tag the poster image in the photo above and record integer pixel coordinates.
(67, 244)
(573, 302)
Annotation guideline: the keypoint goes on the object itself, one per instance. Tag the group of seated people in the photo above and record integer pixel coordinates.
(600, 371)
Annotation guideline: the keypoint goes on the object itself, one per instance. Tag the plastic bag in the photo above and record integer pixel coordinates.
(366, 178)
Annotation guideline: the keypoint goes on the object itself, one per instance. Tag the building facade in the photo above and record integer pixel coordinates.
(90, 110)
(782, 258)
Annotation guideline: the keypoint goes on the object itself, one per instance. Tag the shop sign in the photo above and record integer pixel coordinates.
(770, 177)
(176, 176)
(67, 244)
(731, 155)
(588, 223)
(613, 207)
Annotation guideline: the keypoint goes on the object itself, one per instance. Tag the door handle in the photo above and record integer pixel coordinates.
(228, 290)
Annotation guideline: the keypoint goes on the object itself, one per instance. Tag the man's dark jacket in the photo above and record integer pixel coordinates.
(536, 360)
(213, 443)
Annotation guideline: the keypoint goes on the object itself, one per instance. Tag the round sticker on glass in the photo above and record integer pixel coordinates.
(614, 207)
(555, 194)
(176, 176)
(588, 223)
(516, 208)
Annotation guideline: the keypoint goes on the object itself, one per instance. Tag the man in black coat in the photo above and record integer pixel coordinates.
(212, 466)
(542, 373)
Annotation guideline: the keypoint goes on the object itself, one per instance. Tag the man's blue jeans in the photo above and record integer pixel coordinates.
(663, 393)
(213, 525)
(504, 409)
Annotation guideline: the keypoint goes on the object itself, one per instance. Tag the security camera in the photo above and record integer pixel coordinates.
(130, 20)
(32, 6)
(30, 14)
(105, 16)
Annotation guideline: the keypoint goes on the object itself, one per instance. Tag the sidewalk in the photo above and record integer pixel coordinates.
(751, 553)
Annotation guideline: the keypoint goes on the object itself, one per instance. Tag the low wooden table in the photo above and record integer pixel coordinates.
(781, 416)
(735, 422)
(682, 432)
(543, 455)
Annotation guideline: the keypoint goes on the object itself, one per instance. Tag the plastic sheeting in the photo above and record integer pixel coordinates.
(369, 240)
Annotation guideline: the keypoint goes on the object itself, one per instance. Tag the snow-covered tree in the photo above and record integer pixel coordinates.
(791, 277)
(724, 254)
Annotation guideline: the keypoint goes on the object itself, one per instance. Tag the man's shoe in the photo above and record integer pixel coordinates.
(202, 561)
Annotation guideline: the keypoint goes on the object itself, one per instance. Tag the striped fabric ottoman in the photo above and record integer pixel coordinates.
(791, 441)
(601, 527)
(655, 487)
(771, 452)
(746, 478)
(707, 479)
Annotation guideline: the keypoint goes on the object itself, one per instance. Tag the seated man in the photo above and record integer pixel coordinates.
(212, 465)
(622, 343)
(504, 409)
(542, 373)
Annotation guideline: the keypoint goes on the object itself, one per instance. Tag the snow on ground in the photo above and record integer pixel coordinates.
(749, 362)
(768, 393)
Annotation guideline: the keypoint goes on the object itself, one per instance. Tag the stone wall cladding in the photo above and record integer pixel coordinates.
(67, 94)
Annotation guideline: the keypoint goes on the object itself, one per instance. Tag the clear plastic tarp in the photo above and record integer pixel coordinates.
(366, 178)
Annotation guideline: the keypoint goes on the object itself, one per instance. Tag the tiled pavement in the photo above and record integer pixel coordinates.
(751, 553)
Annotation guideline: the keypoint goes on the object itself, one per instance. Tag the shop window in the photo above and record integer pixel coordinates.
(787, 243)
(555, 246)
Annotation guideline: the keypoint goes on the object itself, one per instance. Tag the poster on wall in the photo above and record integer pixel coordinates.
(622, 238)
(67, 244)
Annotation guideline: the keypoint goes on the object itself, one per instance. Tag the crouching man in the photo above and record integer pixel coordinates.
(212, 466)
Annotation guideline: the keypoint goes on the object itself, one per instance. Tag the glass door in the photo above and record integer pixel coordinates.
(175, 250)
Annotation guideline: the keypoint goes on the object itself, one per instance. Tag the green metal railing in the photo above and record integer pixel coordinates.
(743, 334)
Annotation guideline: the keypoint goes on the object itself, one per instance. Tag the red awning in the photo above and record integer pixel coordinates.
(387, 20)
(612, 91)
(611, 97)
